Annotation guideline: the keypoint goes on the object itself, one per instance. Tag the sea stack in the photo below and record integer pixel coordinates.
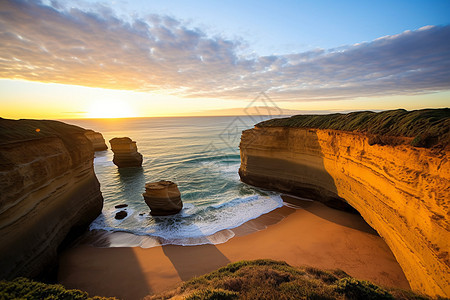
(125, 152)
(97, 140)
(163, 198)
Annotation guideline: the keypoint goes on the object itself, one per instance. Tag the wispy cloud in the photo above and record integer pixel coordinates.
(159, 53)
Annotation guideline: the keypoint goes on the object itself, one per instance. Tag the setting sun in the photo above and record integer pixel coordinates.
(110, 109)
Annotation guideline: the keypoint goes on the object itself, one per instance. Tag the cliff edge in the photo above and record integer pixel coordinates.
(97, 140)
(393, 167)
(48, 191)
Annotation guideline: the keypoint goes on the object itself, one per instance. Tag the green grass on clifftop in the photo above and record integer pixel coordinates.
(428, 127)
(268, 279)
(23, 288)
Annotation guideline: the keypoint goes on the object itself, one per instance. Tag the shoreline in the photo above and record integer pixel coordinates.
(99, 238)
(300, 233)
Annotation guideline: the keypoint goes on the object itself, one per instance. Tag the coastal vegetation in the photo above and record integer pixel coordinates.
(257, 279)
(426, 127)
(23, 288)
(268, 279)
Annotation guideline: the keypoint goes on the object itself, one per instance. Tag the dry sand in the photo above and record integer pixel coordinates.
(310, 234)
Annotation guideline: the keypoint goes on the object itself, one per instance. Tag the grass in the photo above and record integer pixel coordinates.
(268, 279)
(258, 279)
(427, 127)
(23, 288)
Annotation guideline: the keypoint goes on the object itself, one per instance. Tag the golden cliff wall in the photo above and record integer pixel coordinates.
(48, 189)
(403, 192)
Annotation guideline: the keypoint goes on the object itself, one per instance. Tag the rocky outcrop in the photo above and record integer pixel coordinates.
(125, 153)
(48, 191)
(401, 191)
(121, 215)
(97, 140)
(163, 198)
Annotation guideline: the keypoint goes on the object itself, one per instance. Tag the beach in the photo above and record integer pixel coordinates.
(300, 233)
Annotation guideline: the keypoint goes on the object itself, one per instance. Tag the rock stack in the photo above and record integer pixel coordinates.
(125, 153)
(97, 140)
(163, 198)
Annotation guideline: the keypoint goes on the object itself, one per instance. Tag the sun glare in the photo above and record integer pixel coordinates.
(110, 109)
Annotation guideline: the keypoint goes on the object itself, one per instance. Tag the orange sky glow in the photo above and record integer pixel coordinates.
(67, 62)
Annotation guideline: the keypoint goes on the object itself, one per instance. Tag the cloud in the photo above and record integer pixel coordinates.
(95, 48)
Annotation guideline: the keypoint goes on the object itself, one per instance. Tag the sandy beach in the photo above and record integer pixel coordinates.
(306, 233)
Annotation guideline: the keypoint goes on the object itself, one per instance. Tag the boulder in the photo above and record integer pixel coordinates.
(125, 153)
(121, 215)
(121, 206)
(163, 198)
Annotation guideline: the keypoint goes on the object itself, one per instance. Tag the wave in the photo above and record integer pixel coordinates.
(194, 225)
(230, 158)
(192, 153)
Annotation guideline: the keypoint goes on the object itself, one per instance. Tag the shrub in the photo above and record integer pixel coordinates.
(361, 289)
(23, 288)
(213, 294)
(268, 279)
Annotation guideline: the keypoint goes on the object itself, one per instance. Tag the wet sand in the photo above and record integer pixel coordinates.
(302, 233)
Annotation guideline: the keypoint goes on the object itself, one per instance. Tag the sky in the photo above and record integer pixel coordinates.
(88, 59)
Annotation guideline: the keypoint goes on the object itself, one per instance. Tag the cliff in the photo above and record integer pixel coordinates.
(48, 191)
(401, 190)
(97, 140)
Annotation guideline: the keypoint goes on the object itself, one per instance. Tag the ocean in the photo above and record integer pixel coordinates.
(199, 154)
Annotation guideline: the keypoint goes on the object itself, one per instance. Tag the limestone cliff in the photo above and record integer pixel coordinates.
(48, 190)
(97, 140)
(402, 191)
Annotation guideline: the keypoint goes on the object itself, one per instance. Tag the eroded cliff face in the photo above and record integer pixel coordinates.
(97, 140)
(48, 189)
(403, 192)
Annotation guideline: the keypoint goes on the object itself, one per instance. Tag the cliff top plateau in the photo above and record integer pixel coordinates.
(425, 127)
(23, 130)
(121, 140)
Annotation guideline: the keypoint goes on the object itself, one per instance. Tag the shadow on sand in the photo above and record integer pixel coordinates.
(190, 261)
(301, 173)
(343, 218)
(109, 272)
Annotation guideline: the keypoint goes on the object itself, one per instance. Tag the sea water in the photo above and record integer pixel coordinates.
(199, 154)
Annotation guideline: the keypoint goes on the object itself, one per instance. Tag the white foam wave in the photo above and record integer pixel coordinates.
(192, 226)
